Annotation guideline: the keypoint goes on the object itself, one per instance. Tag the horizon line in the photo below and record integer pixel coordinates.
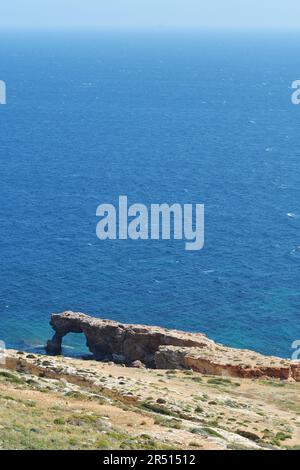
(118, 28)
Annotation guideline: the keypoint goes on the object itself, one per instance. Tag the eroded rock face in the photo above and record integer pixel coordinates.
(166, 349)
(224, 361)
(107, 339)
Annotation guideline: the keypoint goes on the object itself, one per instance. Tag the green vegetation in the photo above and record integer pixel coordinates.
(273, 383)
(222, 381)
(205, 431)
(157, 409)
(49, 429)
(10, 377)
(138, 412)
(167, 422)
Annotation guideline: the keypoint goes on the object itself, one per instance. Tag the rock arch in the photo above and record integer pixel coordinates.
(119, 342)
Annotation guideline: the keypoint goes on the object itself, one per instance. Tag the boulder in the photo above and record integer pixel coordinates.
(138, 365)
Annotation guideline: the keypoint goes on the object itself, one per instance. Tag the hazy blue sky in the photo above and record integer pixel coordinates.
(149, 13)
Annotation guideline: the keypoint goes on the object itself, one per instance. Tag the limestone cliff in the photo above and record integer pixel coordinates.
(161, 348)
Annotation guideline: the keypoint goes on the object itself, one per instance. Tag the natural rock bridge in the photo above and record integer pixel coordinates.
(156, 347)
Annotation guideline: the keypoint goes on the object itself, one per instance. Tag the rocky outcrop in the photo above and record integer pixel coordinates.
(120, 342)
(224, 361)
(161, 348)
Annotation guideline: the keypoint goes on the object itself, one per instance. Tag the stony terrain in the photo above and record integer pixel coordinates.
(63, 403)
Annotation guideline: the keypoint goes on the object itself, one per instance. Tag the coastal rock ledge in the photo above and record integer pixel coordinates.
(160, 348)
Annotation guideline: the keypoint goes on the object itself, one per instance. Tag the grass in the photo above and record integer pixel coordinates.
(167, 422)
(279, 438)
(206, 431)
(59, 421)
(10, 377)
(37, 413)
(65, 431)
(197, 379)
(43, 425)
(272, 383)
(223, 382)
(157, 409)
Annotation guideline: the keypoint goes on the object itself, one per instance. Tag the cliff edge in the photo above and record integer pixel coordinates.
(160, 348)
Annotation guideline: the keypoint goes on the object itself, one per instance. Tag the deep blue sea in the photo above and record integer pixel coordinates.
(159, 117)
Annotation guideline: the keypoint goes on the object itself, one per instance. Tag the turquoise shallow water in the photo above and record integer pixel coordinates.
(174, 117)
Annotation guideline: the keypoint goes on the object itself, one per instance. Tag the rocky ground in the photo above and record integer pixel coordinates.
(63, 403)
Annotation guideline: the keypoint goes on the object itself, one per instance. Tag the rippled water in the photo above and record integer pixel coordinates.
(187, 118)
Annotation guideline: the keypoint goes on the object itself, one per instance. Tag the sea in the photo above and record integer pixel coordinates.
(198, 117)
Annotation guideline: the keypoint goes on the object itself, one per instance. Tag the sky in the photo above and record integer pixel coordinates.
(32, 14)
